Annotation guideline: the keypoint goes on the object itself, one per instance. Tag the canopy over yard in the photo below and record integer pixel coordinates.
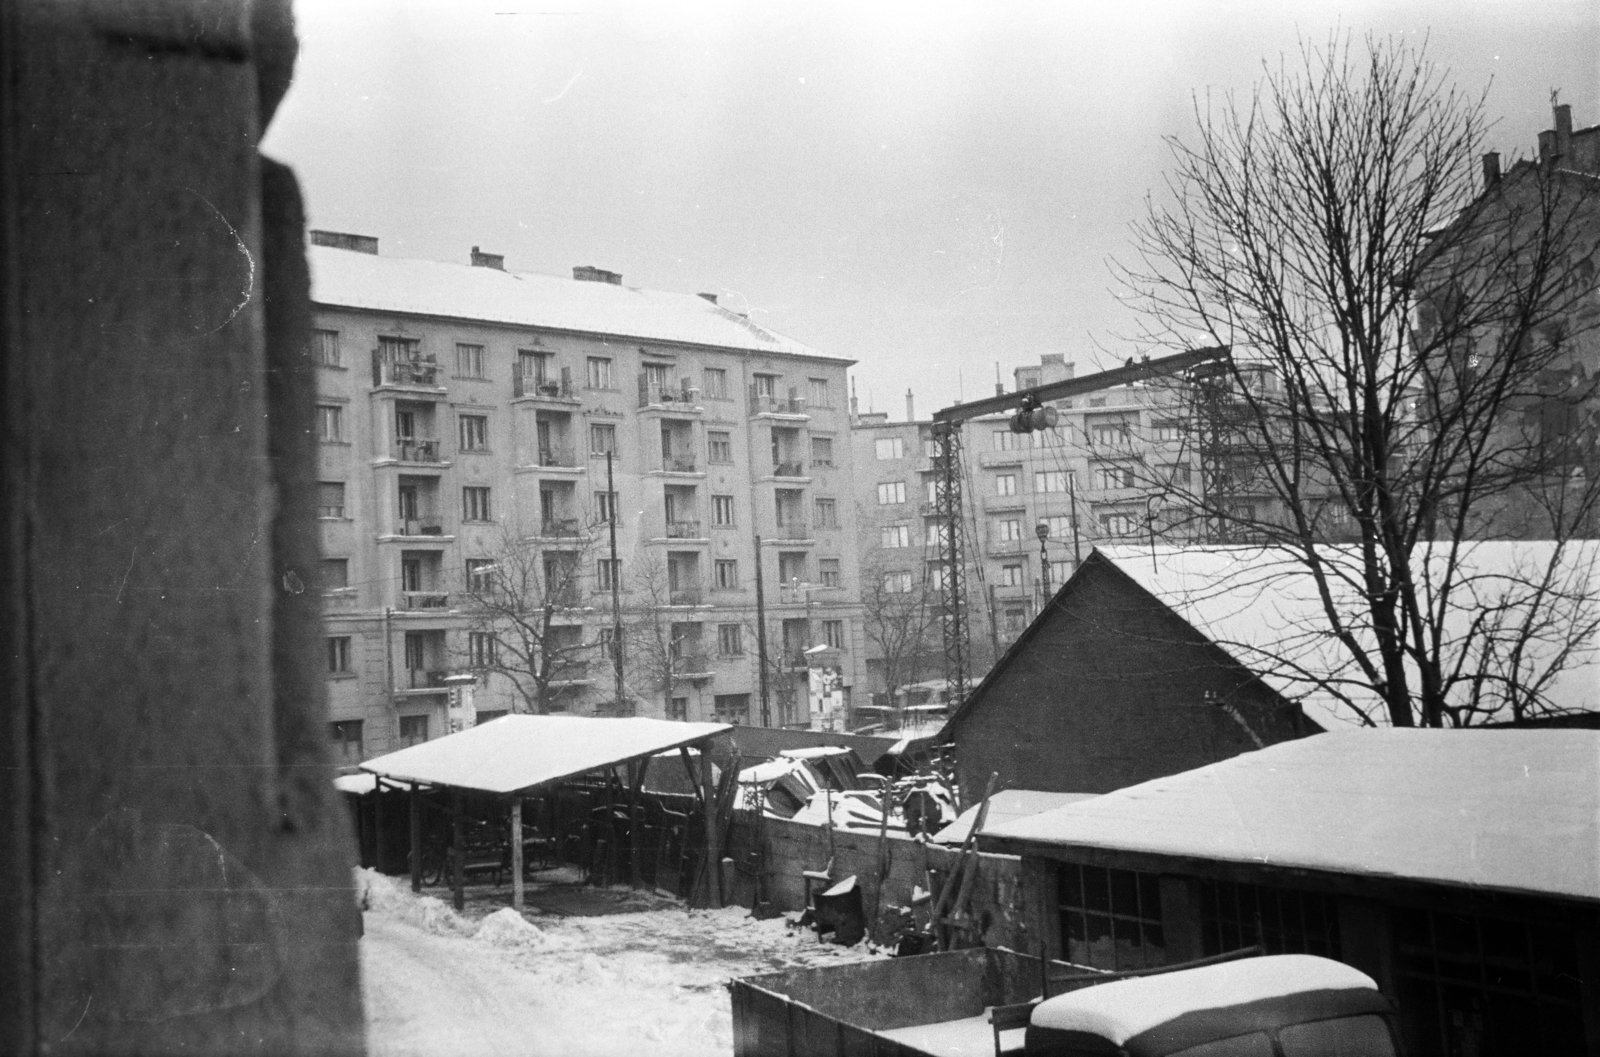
(518, 753)
(1506, 810)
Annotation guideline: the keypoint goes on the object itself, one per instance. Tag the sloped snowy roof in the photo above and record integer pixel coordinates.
(1508, 810)
(519, 752)
(350, 279)
(1262, 606)
(1005, 806)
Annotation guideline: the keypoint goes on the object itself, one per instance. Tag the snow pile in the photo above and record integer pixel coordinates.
(427, 913)
(507, 928)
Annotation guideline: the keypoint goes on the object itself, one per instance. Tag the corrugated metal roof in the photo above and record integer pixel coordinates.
(349, 279)
(1508, 810)
(519, 752)
(1263, 607)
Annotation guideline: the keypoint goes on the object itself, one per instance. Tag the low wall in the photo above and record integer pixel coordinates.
(780, 850)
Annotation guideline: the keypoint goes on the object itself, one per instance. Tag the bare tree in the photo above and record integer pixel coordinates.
(901, 611)
(1402, 378)
(525, 605)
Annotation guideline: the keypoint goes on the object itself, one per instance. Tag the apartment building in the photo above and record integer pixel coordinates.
(1110, 471)
(466, 414)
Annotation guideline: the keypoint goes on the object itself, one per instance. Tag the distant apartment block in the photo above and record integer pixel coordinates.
(465, 414)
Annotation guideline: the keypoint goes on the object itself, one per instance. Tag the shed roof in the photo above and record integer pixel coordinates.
(1506, 810)
(518, 752)
(350, 279)
(1262, 606)
(1006, 806)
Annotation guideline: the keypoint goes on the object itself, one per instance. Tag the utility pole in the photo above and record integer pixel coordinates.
(761, 640)
(1072, 497)
(1042, 530)
(616, 587)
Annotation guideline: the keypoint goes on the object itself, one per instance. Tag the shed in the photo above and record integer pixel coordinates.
(1460, 869)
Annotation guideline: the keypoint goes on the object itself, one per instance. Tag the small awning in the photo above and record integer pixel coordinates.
(518, 753)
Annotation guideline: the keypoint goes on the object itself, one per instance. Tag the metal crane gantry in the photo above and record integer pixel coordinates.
(948, 467)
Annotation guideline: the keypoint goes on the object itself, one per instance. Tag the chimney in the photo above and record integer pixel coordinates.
(1491, 170)
(497, 261)
(588, 273)
(710, 297)
(343, 240)
(1563, 125)
(911, 407)
(855, 406)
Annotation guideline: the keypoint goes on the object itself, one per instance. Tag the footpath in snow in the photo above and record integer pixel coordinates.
(622, 972)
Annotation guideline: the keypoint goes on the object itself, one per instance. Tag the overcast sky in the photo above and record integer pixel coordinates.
(926, 188)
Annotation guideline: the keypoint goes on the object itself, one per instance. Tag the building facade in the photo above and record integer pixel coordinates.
(466, 415)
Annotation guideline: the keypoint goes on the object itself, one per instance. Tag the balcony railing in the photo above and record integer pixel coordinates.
(547, 388)
(683, 530)
(679, 464)
(557, 457)
(691, 664)
(422, 372)
(413, 450)
(424, 599)
(793, 657)
(792, 529)
(559, 528)
(425, 679)
(420, 527)
(684, 596)
(654, 394)
(789, 469)
(772, 404)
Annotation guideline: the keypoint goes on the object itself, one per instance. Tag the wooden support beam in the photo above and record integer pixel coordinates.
(688, 766)
(414, 801)
(708, 803)
(636, 773)
(516, 854)
(377, 825)
(458, 860)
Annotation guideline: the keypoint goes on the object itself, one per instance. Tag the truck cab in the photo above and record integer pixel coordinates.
(1288, 1005)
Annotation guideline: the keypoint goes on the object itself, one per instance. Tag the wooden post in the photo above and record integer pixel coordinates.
(458, 864)
(713, 867)
(637, 771)
(415, 803)
(516, 853)
(377, 825)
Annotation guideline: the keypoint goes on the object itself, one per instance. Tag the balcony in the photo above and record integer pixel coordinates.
(559, 528)
(571, 673)
(410, 449)
(692, 666)
(533, 387)
(685, 596)
(793, 659)
(679, 464)
(680, 397)
(423, 679)
(684, 530)
(419, 527)
(793, 529)
(789, 469)
(771, 404)
(558, 457)
(424, 600)
(420, 373)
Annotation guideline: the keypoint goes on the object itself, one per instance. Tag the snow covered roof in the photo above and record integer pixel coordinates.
(1121, 1009)
(519, 752)
(1004, 806)
(350, 279)
(1507, 810)
(1262, 606)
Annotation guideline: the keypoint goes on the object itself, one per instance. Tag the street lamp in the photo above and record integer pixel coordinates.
(1042, 530)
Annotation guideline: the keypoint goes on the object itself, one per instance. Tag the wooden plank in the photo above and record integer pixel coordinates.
(414, 801)
(516, 854)
(458, 868)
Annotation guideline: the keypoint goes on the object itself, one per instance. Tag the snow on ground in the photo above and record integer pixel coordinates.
(619, 972)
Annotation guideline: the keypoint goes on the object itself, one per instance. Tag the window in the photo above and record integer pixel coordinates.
(1179, 473)
(935, 534)
(600, 372)
(934, 575)
(475, 503)
(405, 424)
(469, 361)
(722, 509)
(607, 573)
(1282, 920)
(1050, 481)
(1113, 477)
(339, 655)
(1110, 919)
(1008, 530)
(346, 740)
(896, 536)
(930, 447)
(822, 451)
(891, 448)
(1014, 619)
(730, 640)
(719, 447)
(1005, 440)
(325, 348)
(716, 383)
(1166, 430)
(335, 573)
(891, 492)
(480, 575)
(819, 393)
(1060, 526)
(1005, 484)
(330, 423)
(1010, 576)
(474, 432)
(482, 649)
(414, 730)
(678, 709)
(833, 633)
(792, 566)
(931, 485)
(897, 583)
(766, 385)
(828, 570)
(1060, 571)
(533, 370)
(827, 513)
(726, 571)
(605, 507)
(732, 708)
(1108, 432)
(604, 640)
(1119, 524)
(602, 438)
(330, 499)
